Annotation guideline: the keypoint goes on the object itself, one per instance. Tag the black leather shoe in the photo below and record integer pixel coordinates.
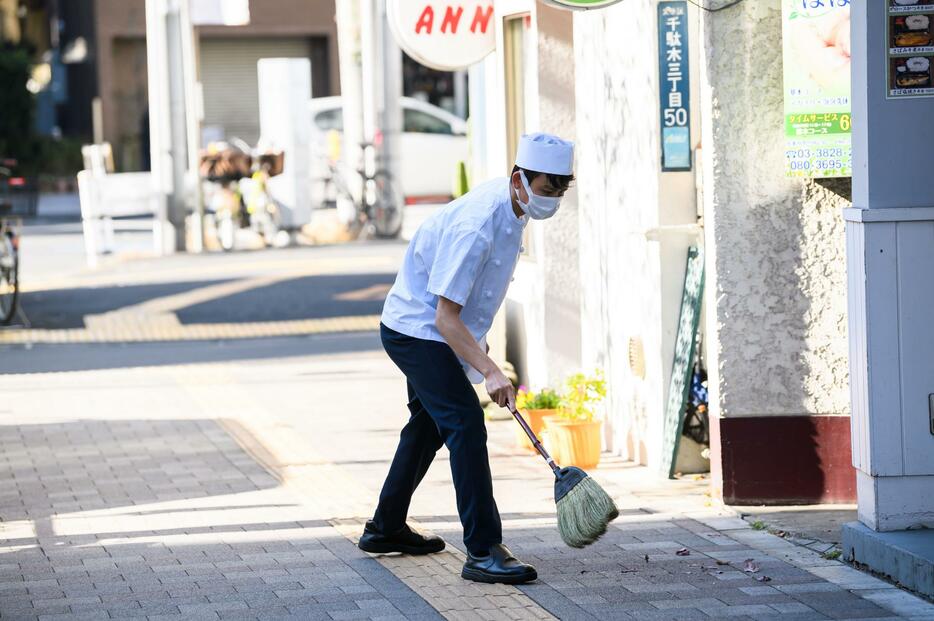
(499, 566)
(406, 541)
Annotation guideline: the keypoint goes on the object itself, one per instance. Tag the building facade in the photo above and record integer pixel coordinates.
(227, 68)
(600, 285)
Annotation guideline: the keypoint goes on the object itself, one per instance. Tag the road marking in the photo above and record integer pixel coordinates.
(161, 331)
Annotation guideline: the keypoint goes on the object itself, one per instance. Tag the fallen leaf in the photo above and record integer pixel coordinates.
(683, 552)
(762, 578)
(723, 562)
(583, 571)
(750, 566)
(646, 558)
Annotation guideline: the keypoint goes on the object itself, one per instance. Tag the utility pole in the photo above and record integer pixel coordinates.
(160, 138)
(371, 85)
(174, 119)
(349, 45)
(177, 124)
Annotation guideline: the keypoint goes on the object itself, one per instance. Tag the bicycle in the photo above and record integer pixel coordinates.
(9, 253)
(235, 191)
(379, 211)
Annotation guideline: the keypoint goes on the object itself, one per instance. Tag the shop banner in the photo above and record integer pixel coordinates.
(816, 54)
(443, 35)
(910, 49)
(674, 85)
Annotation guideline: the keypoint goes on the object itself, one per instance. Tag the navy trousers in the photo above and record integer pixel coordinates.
(444, 410)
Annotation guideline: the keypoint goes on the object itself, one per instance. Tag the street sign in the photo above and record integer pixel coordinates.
(447, 36)
(582, 5)
(674, 83)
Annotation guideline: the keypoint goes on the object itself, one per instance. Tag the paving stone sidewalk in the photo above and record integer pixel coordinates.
(173, 519)
(228, 477)
(170, 519)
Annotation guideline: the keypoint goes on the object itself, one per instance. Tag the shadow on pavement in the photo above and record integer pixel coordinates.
(89, 465)
(308, 297)
(137, 518)
(61, 309)
(54, 358)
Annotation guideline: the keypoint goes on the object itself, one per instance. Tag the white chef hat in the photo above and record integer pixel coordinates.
(545, 153)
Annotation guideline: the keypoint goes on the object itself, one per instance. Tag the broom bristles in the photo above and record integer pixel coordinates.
(584, 513)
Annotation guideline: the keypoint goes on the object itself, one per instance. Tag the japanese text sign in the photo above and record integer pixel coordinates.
(816, 57)
(674, 85)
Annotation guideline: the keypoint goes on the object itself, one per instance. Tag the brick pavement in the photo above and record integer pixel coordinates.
(170, 519)
(236, 490)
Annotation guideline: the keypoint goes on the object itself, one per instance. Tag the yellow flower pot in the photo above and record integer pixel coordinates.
(536, 420)
(574, 443)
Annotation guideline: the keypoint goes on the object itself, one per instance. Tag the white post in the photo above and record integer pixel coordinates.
(347, 13)
(890, 253)
(284, 122)
(178, 147)
(194, 115)
(390, 96)
(460, 93)
(159, 135)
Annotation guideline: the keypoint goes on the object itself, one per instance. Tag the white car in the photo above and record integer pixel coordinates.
(433, 142)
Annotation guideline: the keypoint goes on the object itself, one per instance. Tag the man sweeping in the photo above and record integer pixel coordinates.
(434, 324)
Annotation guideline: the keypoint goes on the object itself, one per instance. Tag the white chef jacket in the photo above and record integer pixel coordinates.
(466, 252)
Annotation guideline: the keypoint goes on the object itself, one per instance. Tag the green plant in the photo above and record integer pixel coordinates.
(758, 525)
(832, 555)
(582, 394)
(546, 399)
(17, 139)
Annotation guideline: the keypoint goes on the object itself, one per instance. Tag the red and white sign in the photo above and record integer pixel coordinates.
(447, 35)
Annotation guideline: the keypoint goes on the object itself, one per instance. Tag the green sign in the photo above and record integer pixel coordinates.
(816, 62)
(582, 4)
(682, 367)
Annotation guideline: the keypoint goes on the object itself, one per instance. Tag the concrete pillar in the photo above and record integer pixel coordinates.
(890, 254)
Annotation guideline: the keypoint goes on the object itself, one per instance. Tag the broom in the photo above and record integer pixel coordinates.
(584, 508)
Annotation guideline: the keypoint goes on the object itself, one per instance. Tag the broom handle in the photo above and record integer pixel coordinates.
(535, 441)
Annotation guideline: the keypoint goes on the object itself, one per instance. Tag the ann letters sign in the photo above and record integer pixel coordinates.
(444, 35)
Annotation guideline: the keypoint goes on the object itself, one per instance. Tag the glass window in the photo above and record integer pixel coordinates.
(418, 122)
(330, 119)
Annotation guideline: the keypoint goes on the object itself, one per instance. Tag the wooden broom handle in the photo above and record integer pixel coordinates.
(535, 441)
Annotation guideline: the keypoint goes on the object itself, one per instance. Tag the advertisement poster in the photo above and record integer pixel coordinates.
(816, 55)
(910, 48)
(674, 85)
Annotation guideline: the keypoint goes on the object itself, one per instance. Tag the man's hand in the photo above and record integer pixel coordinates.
(500, 389)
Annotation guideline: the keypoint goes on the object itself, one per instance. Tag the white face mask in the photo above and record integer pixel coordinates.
(538, 207)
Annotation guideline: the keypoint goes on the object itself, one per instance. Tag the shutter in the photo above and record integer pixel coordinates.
(228, 75)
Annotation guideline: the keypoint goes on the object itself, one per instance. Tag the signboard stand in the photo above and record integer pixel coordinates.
(682, 368)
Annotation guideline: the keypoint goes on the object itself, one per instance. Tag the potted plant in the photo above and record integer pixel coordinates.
(574, 433)
(534, 407)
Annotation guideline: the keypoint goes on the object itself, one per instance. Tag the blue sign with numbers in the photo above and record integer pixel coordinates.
(674, 85)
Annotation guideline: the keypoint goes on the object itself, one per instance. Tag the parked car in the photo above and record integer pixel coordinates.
(433, 142)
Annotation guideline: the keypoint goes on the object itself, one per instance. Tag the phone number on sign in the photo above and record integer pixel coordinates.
(818, 167)
(807, 154)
